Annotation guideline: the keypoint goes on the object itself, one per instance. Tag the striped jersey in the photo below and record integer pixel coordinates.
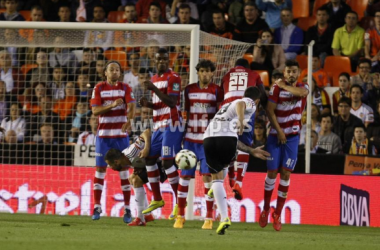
(236, 81)
(110, 123)
(168, 83)
(364, 113)
(201, 106)
(289, 109)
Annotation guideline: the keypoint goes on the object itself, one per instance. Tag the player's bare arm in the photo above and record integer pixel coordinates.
(131, 114)
(240, 108)
(146, 135)
(256, 152)
(99, 110)
(296, 91)
(145, 103)
(169, 100)
(273, 121)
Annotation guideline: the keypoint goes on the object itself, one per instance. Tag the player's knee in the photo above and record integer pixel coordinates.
(137, 182)
(285, 174)
(131, 179)
(272, 174)
(167, 163)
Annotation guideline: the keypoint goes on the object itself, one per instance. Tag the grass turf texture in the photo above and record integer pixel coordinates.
(25, 231)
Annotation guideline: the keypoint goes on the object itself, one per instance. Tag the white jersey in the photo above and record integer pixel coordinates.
(225, 121)
(133, 151)
(364, 113)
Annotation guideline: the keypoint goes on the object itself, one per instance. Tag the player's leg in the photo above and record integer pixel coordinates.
(273, 164)
(139, 199)
(231, 174)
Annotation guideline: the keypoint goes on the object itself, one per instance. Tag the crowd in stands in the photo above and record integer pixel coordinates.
(45, 92)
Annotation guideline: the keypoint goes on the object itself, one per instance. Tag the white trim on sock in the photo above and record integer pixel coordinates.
(100, 175)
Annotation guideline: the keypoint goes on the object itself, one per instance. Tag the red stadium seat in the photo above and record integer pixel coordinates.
(119, 56)
(306, 22)
(2, 10)
(248, 57)
(359, 6)
(115, 16)
(264, 77)
(208, 56)
(317, 5)
(302, 61)
(172, 57)
(300, 8)
(334, 65)
(25, 14)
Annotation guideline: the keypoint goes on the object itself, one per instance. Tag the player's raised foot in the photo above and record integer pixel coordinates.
(263, 220)
(148, 218)
(276, 221)
(179, 221)
(238, 192)
(207, 224)
(174, 213)
(210, 193)
(137, 222)
(127, 218)
(153, 206)
(96, 213)
(223, 225)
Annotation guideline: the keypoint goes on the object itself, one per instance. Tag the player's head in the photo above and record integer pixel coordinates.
(291, 71)
(112, 71)
(242, 62)
(205, 71)
(115, 159)
(253, 93)
(162, 60)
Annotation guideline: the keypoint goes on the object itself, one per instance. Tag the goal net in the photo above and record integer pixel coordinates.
(48, 71)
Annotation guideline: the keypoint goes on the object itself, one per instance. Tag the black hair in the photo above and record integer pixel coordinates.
(345, 74)
(184, 6)
(143, 71)
(253, 93)
(364, 60)
(242, 62)
(19, 106)
(323, 8)
(360, 126)
(156, 4)
(205, 64)
(353, 12)
(325, 115)
(252, 4)
(218, 11)
(291, 63)
(287, 9)
(130, 5)
(162, 51)
(345, 100)
(356, 86)
(87, 50)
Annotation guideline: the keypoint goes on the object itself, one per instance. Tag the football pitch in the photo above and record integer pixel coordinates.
(25, 231)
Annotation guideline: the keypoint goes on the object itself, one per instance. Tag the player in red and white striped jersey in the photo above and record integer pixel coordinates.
(110, 101)
(287, 100)
(234, 83)
(201, 103)
(168, 130)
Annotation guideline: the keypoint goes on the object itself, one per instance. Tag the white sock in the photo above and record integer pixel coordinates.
(220, 197)
(140, 202)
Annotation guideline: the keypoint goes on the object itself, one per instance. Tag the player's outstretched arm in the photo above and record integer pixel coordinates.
(169, 100)
(99, 110)
(256, 152)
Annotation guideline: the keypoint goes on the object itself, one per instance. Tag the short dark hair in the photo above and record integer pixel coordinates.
(162, 51)
(156, 4)
(242, 62)
(323, 8)
(360, 126)
(143, 71)
(218, 11)
(253, 93)
(112, 155)
(345, 100)
(352, 12)
(130, 5)
(252, 4)
(326, 115)
(291, 63)
(36, 7)
(345, 74)
(205, 64)
(184, 6)
(87, 50)
(356, 86)
(364, 60)
(287, 9)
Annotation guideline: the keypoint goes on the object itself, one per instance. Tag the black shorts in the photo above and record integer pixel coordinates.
(219, 151)
(143, 174)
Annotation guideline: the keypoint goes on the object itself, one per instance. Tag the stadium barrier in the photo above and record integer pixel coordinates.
(313, 199)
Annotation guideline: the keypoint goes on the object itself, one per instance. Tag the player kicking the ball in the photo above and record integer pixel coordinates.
(221, 142)
(287, 100)
(201, 102)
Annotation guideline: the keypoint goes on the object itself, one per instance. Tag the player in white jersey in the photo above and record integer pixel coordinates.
(358, 108)
(221, 142)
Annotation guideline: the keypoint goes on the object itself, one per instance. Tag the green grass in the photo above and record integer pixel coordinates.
(23, 231)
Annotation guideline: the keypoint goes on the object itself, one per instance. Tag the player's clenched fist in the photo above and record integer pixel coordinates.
(117, 102)
(149, 85)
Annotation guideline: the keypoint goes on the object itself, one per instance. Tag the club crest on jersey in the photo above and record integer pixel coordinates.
(176, 86)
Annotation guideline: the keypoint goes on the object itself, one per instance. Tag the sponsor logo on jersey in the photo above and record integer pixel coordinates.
(176, 86)
(285, 94)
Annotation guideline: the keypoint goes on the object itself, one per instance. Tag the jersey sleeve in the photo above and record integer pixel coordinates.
(96, 100)
(258, 80)
(274, 93)
(174, 85)
(129, 96)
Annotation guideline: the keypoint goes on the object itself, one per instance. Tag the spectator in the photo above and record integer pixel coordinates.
(260, 134)
(320, 97)
(372, 96)
(5, 101)
(314, 147)
(344, 90)
(345, 122)
(372, 41)
(349, 40)
(208, 7)
(288, 34)
(327, 139)
(96, 70)
(11, 137)
(143, 7)
(182, 62)
(319, 74)
(12, 77)
(364, 79)
(89, 138)
(373, 7)
(47, 135)
(61, 56)
(234, 12)
(220, 27)
(39, 40)
(148, 60)
(373, 130)
(315, 122)
(11, 38)
(273, 11)
(102, 39)
(45, 116)
(184, 78)
(142, 91)
(247, 30)
(322, 33)
(83, 83)
(33, 95)
(36, 15)
(155, 15)
(64, 14)
(130, 14)
(77, 123)
(65, 107)
(11, 13)
(42, 72)
(58, 83)
(14, 122)
(131, 76)
(360, 145)
(337, 10)
(185, 6)
(267, 57)
(359, 109)
(84, 8)
(87, 59)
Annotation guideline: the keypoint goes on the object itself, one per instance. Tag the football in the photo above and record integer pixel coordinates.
(186, 159)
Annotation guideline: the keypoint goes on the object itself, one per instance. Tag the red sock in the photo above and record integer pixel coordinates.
(242, 163)
(125, 187)
(173, 178)
(283, 188)
(98, 186)
(183, 189)
(154, 180)
(209, 202)
(231, 171)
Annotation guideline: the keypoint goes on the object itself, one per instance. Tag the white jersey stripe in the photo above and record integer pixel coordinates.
(288, 107)
(193, 136)
(162, 111)
(209, 110)
(110, 132)
(289, 118)
(112, 119)
(235, 93)
(161, 84)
